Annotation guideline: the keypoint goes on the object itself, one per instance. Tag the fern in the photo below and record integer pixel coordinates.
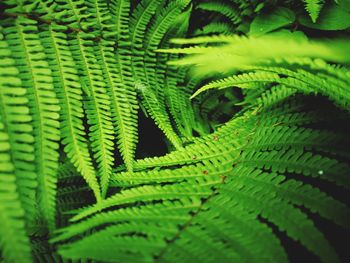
(208, 177)
(17, 121)
(252, 149)
(304, 80)
(14, 241)
(222, 8)
(313, 8)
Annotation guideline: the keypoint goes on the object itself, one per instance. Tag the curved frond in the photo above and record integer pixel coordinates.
(222, 8)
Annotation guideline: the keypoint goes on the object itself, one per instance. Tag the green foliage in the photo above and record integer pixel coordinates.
(313, 7)
(332, 17)
(276, 19)
(14, 138)
(253, 119)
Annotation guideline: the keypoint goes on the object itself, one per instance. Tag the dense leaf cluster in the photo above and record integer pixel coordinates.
(251, 103)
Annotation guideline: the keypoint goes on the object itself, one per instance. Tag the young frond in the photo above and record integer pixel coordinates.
(313, 7)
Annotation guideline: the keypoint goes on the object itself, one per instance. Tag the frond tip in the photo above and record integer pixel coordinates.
(313, 7)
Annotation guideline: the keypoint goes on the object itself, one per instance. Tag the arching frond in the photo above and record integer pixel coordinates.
(225, 179)
(225, 9)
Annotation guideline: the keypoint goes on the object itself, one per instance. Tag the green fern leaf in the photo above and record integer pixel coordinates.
(313, 7)
(125, 106)
(34, 80)
(222, 8)
(69, 91)
(44, 109)
(97, 109)
(14, 242)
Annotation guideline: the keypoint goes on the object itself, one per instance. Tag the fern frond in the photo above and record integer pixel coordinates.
(262, 202)
(14, 135)
(162, 24)
(124, 103)
(37, 78)
(298, 161)
(73, 13)
(109, 106)
(277, 137)
(242, 51)
(207, 39)
(99, 19)
(138, 24)
(66, 172)
(175, 93)
(222, 237)
(300, 79)
(120, 11)
(332, 87)
(222, 8)
(169, 78)
(145, 72)
(181, 109)
(185, 173)
(69, 92)
(146, 218)
(218, 193)
(238, 80)
(97, 109)
(129, 249)
(313, 7)
(160, 116)
(37, 82)
(153, 193)
(274, 95)
(297, 193)
(205, 148)
(176, 212)
(153, 39)
(141, 17)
